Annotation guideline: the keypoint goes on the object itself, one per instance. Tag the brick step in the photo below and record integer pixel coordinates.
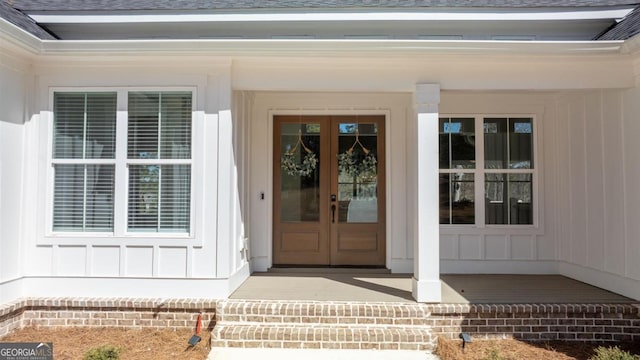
(322, 325)
(315, 336)
(321, 312)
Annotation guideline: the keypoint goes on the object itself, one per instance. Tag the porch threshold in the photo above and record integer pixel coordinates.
(283, 269)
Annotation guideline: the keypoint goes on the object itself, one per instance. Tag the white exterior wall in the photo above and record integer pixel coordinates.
(454, 71)
(587, 173)
(14, 86)
(585, 159)
(47, 264)
(596, 179)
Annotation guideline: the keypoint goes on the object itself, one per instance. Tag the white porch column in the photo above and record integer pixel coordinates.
(426, 235)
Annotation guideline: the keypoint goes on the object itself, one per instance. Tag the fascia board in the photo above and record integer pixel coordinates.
(333, 16)
(337, 48)
(632, 45)
(19, 38)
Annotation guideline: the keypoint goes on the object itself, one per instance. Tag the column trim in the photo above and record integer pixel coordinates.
(426, 285)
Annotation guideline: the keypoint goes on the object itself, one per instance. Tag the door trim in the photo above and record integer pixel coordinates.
(266, 106)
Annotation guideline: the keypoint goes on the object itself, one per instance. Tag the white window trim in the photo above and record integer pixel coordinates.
(479, 171)
(121, 188)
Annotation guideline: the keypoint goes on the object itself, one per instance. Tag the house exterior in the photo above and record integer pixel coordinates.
(168, 150)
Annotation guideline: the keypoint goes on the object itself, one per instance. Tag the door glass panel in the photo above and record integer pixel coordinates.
(299, 172)
(357, 173)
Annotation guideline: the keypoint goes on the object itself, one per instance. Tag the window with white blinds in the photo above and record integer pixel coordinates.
(145, 170)
(84, 161)
(159, 161)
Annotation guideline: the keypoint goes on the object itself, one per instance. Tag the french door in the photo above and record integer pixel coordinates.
(329, 190)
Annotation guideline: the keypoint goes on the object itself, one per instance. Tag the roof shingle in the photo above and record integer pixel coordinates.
(628, 27)
(14, 10)
(23, 21)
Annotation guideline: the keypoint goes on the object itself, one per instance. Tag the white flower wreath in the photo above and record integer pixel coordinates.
(291, 167)
(348, 164)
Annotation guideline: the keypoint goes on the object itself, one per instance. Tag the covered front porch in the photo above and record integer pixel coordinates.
(373, 285)
(577, 223)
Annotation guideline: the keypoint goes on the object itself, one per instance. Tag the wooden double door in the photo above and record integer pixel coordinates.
(329, 190)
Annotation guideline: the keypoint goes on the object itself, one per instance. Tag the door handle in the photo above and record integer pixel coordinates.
(333, 213)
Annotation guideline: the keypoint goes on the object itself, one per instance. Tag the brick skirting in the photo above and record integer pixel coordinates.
(331, 325)
(118, 313)
(539, 322)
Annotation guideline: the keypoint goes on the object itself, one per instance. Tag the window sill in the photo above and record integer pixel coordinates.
(492, 230)
(102, 239)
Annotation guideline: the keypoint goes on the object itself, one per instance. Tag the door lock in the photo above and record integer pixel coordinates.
(333, 197)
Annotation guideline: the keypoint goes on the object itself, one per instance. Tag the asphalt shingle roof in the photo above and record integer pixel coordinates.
(23, 21)
(114, 5)
(628, 27)
(14, 10)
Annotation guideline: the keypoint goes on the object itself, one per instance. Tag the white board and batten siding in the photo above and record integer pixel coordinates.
(588, 200)
(597, 188)
(193, 266)
(15, 82)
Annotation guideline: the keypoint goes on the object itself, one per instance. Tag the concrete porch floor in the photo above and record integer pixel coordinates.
(381, 286)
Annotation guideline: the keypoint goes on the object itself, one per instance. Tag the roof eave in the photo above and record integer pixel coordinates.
(30, 44)
(19, 38)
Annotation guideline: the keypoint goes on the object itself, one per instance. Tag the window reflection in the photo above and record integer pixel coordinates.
(508, 199)
(457, 198)
(357, 173)
(300, 195)
(457, 143)
(508, 143)
(457, 153)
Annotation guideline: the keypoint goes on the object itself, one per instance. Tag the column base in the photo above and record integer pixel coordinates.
(426, 291)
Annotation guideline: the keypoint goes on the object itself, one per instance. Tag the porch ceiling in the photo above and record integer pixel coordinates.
(376, 286)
